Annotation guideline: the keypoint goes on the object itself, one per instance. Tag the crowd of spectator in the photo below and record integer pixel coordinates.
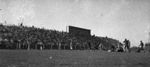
(24, 37)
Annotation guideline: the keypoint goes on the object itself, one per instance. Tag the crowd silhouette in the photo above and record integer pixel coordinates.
(25, 37)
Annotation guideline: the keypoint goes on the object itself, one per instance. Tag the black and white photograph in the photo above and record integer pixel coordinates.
(74, 33)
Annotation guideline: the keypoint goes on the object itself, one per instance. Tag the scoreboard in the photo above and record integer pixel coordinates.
(79, 31)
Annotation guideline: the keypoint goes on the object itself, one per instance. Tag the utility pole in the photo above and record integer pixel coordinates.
(0, 14)
(149, 37)
(67, 29)
(23, 8)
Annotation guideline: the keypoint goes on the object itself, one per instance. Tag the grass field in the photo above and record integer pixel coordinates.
(72, 58)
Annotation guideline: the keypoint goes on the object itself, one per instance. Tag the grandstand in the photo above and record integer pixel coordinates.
(24, 37)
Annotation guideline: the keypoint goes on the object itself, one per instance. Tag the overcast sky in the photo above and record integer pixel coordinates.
(118, 19)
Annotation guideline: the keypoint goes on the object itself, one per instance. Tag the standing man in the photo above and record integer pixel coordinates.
(141, 47)
(89, 45)
(128, 45)
(125, 44)
(71, 45)
(41, 45)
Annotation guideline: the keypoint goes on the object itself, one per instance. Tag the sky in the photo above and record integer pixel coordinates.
(118, 19)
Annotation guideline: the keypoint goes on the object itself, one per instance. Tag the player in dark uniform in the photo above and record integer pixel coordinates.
(89, 45)
(141, 48)
(125, 44)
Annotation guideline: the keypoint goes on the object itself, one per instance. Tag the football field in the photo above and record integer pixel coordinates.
(72, 58)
